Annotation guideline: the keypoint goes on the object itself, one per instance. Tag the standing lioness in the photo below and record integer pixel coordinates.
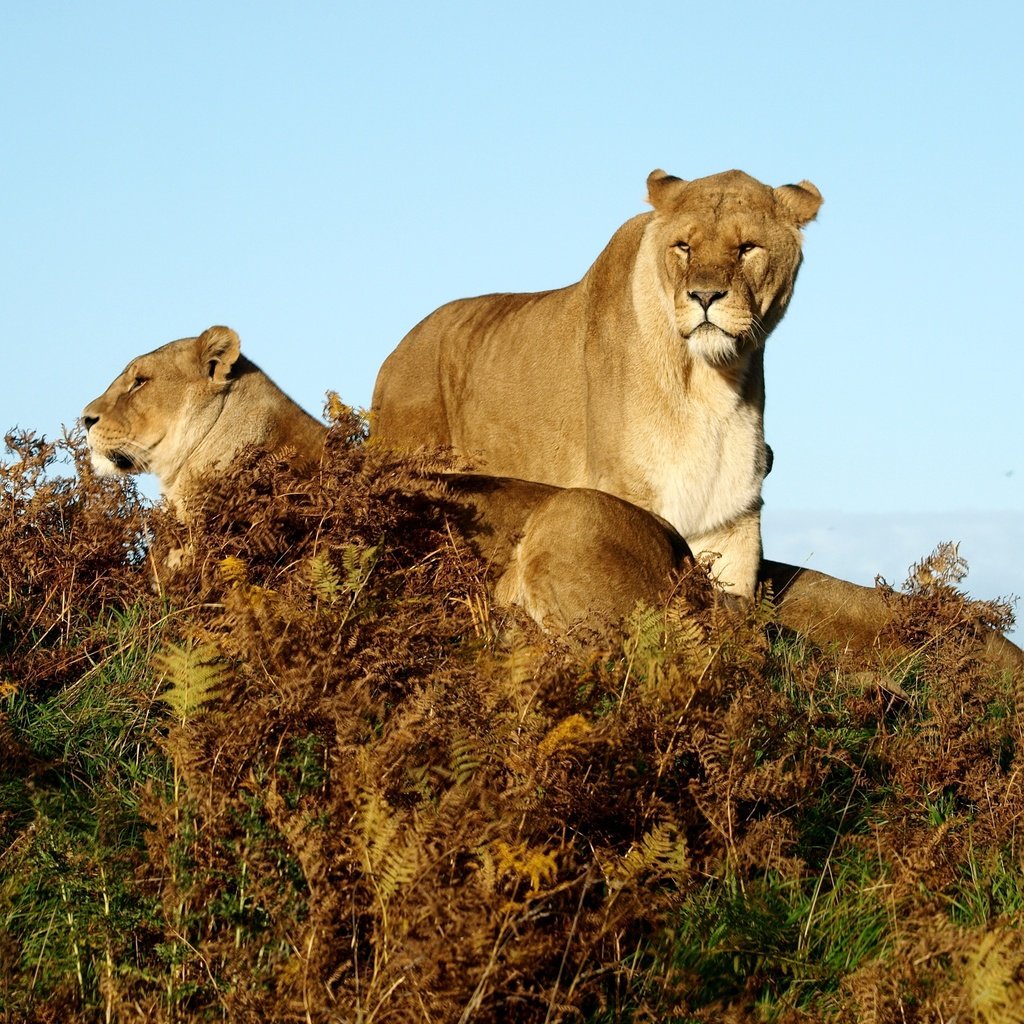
(645, 379)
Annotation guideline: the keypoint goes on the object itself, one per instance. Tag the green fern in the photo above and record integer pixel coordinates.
(390, 862)
(399, 867)
(196, 673)
(993, 977)
(645, 630)
(376, 826)
(325, 579)
(466, 757)
(358, 563)
(643, 645)
(660, 854)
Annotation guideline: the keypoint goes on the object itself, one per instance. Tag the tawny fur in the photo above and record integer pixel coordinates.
(187, 409)
(190, 407)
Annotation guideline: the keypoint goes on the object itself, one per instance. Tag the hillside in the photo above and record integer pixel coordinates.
(317, 776)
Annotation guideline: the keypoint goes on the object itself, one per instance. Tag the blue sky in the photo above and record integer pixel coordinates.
(320, 176)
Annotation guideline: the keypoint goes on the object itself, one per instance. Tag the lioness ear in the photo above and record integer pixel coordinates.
(802, 201)
(660, 185)
(218, 349)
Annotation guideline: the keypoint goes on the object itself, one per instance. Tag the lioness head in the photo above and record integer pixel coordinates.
(161, 400)
(727, 252)
(189, 407)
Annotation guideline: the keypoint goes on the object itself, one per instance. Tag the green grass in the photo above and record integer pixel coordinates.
(71, 900)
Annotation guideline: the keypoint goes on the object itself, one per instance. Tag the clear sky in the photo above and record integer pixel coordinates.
(320, 176)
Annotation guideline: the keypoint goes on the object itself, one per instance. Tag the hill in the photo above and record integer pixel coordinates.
(319, 777)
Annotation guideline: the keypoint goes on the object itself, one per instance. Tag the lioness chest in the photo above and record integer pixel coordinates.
(700, 474)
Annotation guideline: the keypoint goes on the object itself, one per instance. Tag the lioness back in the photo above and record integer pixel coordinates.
(644, 379)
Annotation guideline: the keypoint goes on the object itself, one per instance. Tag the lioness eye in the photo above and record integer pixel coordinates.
(137, 383)
(682, 246)
(746, 247)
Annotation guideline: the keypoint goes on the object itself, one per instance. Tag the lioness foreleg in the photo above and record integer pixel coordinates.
(738, 547)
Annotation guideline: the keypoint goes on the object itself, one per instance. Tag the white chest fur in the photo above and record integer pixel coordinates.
(692, 445)
(703, 467)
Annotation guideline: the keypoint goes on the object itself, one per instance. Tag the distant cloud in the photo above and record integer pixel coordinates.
(860, 546)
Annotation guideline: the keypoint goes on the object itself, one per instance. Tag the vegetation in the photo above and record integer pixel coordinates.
(316, 776)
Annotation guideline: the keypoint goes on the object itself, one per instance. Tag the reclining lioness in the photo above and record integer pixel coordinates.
(565, 555)
(186, 409)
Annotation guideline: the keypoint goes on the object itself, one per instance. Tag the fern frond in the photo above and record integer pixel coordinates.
(357, 562)
(522, 662)
(376, 827)
(526, 862)
(325, 579)
(336, 409)
(234, 570)
(660, 854)
(399, 867)
(644, 633)
(570, 732)
(466, 757)
(685, 637)
(943, 569)
(331, 585)
(487, 872)
(354, 423)
(389, 863)
(195, 671)
(993, 972)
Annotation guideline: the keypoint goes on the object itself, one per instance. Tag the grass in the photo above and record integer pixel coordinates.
(310, 781)
(73, 910)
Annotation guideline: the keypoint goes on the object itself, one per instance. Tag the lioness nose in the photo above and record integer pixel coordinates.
(706, 298)
(89, 421)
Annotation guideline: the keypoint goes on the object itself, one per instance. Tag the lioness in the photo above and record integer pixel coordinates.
(645, 379)
(568, 556)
